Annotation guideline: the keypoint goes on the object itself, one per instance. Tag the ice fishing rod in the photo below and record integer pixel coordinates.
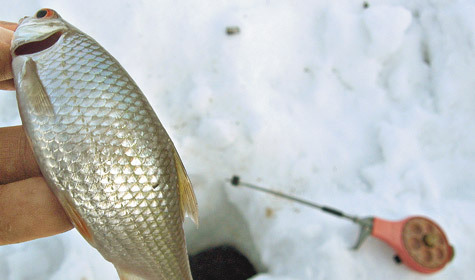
(419, 242)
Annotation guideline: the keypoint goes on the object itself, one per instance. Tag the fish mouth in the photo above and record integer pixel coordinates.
(38, 46)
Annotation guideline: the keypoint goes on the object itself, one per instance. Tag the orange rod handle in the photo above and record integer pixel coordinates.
(392, 232)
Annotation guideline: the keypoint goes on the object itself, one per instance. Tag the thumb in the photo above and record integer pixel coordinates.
(8, 25)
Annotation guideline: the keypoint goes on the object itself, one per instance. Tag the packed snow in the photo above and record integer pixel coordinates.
(366, 106)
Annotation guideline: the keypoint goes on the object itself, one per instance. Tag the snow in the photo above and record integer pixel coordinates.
(367, 110)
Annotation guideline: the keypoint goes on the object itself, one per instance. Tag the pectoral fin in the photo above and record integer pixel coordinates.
(31, 93)
(188, 203)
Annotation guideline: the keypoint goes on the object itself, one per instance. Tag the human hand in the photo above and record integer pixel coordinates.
(28, 209)
(6, 35)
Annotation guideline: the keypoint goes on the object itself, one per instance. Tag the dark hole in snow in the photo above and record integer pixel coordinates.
(221, 263)
(38, 46)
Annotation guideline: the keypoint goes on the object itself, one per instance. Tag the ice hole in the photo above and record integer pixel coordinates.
(221, 225)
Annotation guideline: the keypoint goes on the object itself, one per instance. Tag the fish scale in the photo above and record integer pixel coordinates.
(105, 154)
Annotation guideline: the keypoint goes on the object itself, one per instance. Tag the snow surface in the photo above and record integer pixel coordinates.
(367, 110)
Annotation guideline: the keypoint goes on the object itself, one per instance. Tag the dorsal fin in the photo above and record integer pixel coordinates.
(188, 203)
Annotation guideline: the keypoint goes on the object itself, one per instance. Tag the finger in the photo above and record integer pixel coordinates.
(17, 161)
(8, 25)
(6, 72)
(6, 35)
(7, 85)
(29, 210)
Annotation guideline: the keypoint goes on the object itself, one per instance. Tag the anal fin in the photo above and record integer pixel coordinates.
(77, 221)
(124, 275)
(188, 203)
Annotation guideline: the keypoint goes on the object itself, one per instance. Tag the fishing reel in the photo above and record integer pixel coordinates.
(419, 242)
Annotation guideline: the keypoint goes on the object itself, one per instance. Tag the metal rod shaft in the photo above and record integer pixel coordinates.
(235, 181)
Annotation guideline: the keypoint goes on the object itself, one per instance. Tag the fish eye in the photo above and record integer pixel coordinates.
(41, 13)
(46, 13)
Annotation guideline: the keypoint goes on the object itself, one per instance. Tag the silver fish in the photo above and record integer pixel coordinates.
(102, 149)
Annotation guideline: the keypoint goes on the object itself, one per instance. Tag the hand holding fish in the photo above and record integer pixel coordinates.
(28, 209)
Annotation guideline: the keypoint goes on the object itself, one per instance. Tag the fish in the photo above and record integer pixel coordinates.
(102, 149)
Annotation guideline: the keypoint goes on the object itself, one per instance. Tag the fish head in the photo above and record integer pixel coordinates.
(38, 32)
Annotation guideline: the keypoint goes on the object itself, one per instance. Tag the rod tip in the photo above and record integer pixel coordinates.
(235, 180)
